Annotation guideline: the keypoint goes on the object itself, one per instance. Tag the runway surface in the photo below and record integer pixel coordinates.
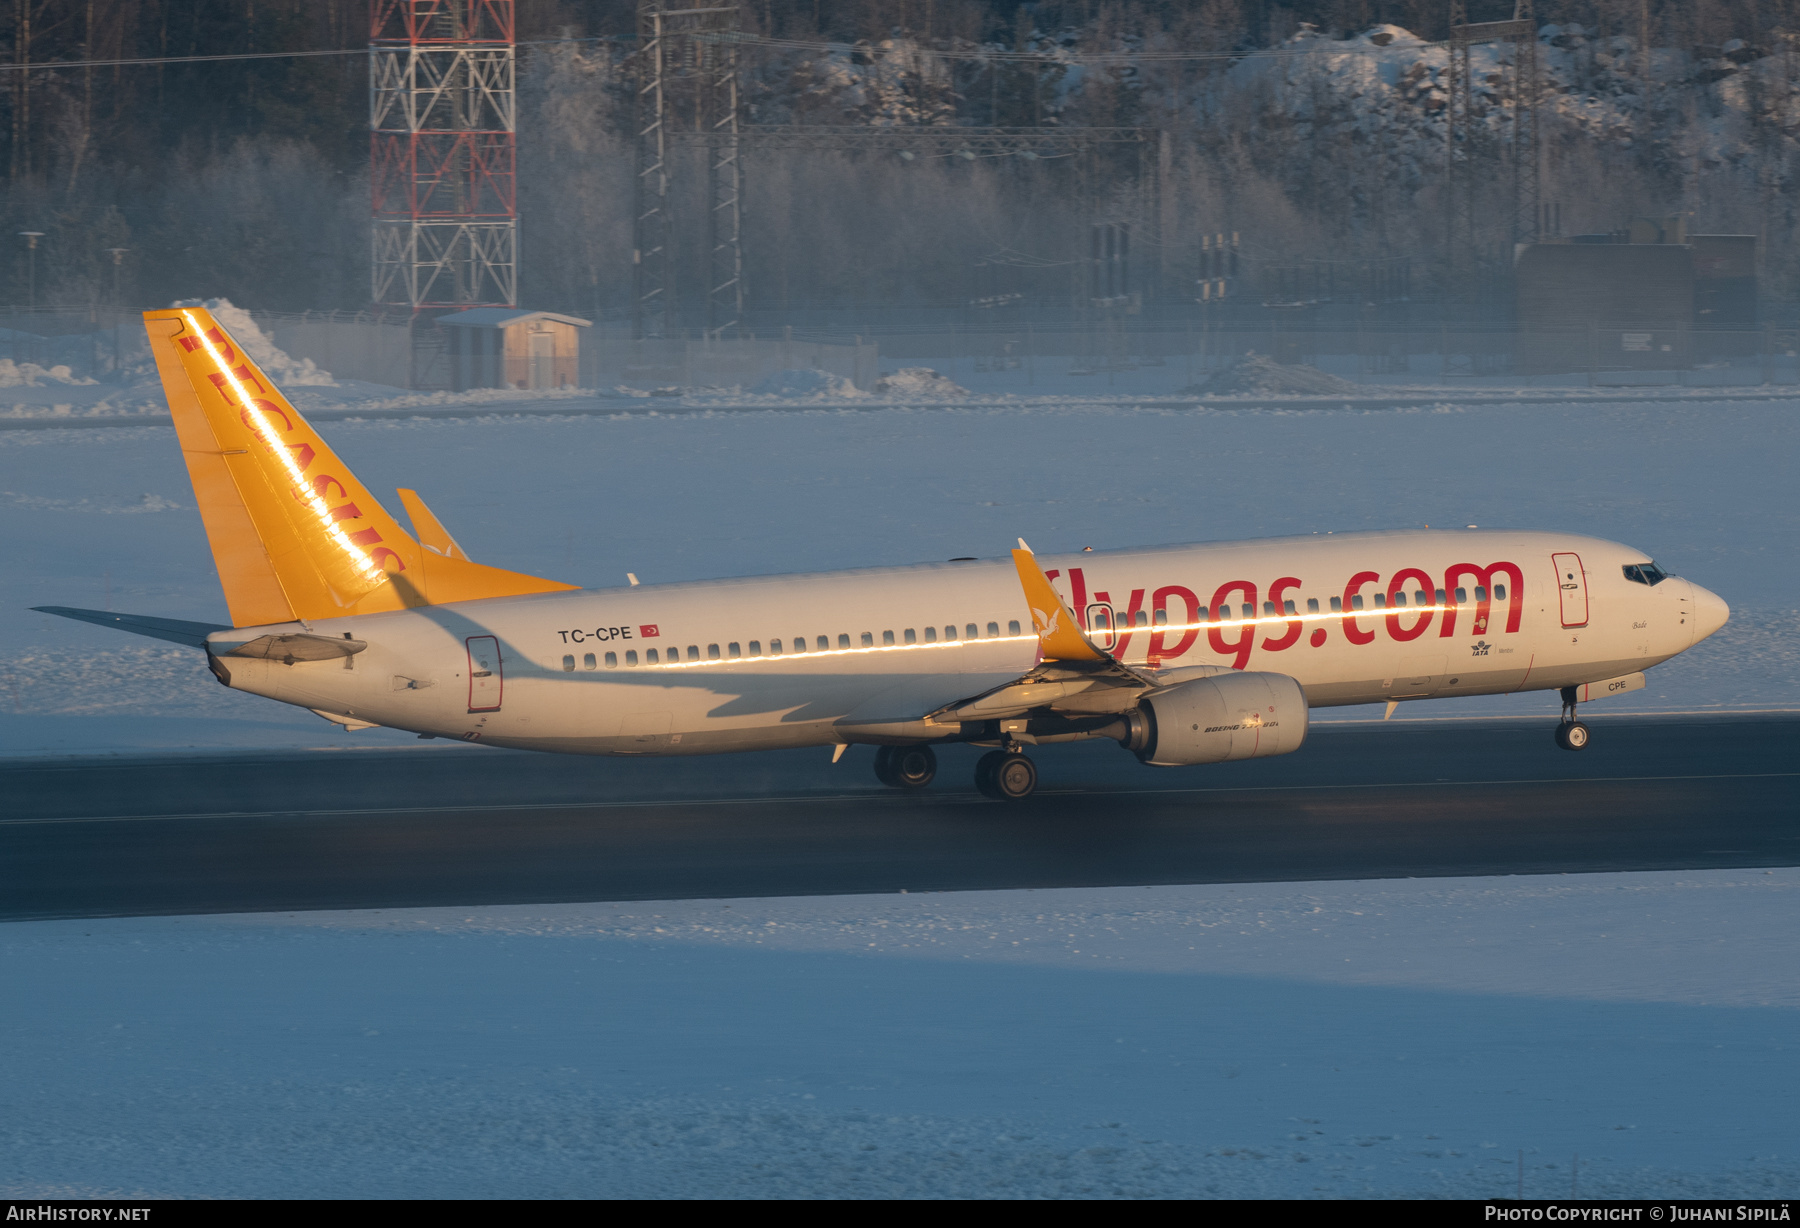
(454, 825)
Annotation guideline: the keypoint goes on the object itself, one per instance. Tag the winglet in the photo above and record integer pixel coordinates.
(428, 528)
(1059, 632)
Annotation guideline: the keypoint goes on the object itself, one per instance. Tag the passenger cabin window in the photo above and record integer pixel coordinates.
(1440, 596)
(1462, 595)
(825, 643)
(1312, 605)
(1268, 607)
(1337, 605)
(910, 636)
(775, 647)
(587, 661)
(1399, 601)
(868, 639)
(1160, 618)
(631, 658)
(1287, 606)
(712, 652)
(950, 633)
(734, 650)
(1480, 593)
(1381, 601)
(930, 635)
(971, 632)
(756, 648)
(887, 637)
(1140, 619)
(651, 657)
(1421, 598)
(843, 641)
(1499, 592)
(1012, 628)
(993, 630)
(612, 660)
(693, 652)
(1356, 602)
(568, 665)
(1249, 610)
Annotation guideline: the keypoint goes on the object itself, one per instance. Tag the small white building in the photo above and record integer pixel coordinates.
(508, 347)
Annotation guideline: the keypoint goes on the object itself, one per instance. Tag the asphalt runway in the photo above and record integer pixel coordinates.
(455, 825)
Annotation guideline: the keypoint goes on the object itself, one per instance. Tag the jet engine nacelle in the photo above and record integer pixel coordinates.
(1212, 720)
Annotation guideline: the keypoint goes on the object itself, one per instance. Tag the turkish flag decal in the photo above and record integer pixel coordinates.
(648, 631)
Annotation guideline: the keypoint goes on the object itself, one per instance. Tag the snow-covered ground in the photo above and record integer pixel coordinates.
(1326, 1039)
(1291, 1040)
(103, 518)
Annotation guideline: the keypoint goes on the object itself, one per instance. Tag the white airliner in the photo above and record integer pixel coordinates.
(1182, 654)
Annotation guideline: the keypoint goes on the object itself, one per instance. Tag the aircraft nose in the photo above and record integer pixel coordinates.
(1710, 612)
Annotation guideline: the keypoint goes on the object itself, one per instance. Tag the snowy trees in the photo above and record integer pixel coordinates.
(248, 178)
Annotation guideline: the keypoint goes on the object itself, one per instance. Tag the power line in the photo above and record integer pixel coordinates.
(988, 54)
(47, 65)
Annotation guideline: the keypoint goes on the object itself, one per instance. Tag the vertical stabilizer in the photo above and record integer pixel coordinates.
(294, 534)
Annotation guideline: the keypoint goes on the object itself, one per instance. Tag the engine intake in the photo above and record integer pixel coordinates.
(1214, 720)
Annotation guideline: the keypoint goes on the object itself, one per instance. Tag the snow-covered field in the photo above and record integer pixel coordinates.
(103, 518)
(1295, 1040)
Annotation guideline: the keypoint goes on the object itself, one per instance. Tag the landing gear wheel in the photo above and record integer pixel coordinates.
(984, 772)
(1006, 775)
(911, 767)
(905, 767)
(1573, 736)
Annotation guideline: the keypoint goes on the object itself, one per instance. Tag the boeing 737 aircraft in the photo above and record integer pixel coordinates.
(1182, 654)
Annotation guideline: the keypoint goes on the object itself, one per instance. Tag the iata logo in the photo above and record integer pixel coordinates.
(1479, 649)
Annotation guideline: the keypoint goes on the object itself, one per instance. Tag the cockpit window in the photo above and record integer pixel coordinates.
(1645, 573)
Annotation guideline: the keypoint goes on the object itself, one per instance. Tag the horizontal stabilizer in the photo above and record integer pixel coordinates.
(172, 629)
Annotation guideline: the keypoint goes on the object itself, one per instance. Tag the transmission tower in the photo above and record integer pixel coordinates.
(687, 89)
(1468, 147)
(442, 160)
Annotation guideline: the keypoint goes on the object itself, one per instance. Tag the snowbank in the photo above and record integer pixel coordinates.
(806, 382)
(1256, 375)
(276, 364)
(29, 374)
(919, 382)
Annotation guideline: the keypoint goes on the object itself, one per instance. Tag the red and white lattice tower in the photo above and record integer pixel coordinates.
(442, 171)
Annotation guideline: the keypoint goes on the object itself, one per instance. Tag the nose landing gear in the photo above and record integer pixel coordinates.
(1571, 734)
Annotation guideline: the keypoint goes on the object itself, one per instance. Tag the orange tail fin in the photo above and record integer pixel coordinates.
(294, 534)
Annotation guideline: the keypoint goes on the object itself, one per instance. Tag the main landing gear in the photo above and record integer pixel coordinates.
(1006, 775)
(1571, 734)
(905, 767)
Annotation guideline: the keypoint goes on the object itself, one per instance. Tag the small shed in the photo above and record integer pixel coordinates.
(508, 347)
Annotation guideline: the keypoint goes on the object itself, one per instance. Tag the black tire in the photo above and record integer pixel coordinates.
(1562, 729)
(911, 767)
(984, 773)
(884, 766)
(1576, 736)
(1015, 777)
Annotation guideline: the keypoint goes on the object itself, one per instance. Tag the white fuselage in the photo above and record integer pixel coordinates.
(781, 661)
